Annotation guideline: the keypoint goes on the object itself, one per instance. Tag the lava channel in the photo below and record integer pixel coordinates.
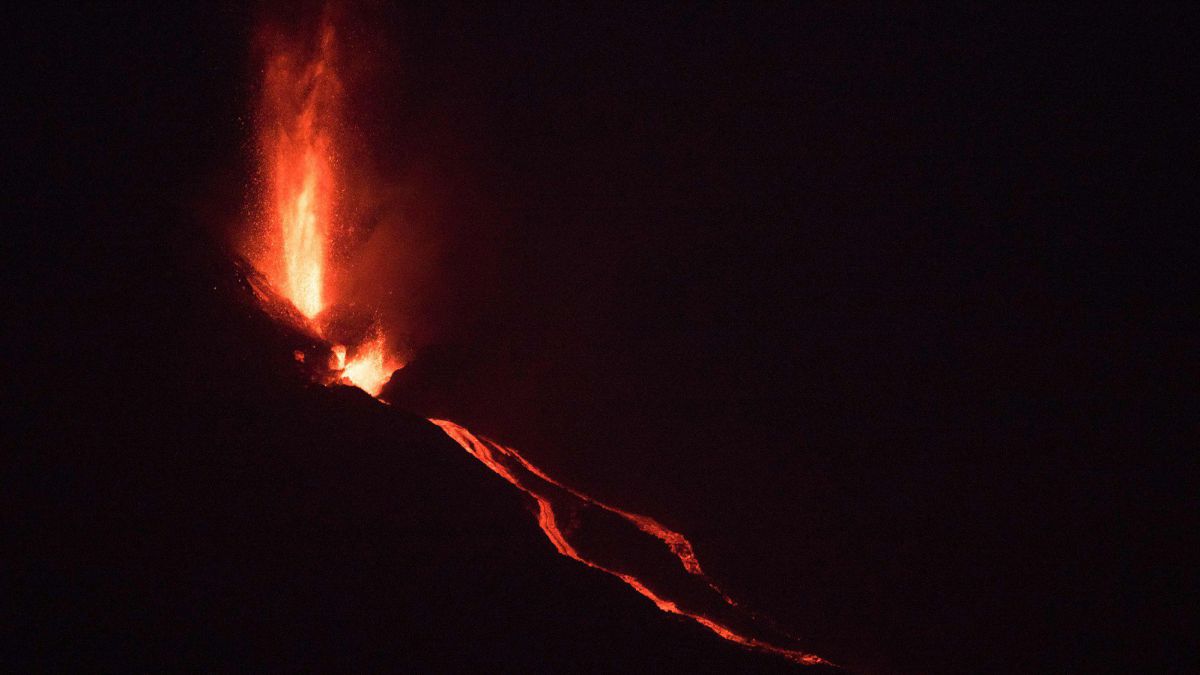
(586, 530)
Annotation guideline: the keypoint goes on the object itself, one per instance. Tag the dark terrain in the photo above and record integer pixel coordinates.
(218, 512)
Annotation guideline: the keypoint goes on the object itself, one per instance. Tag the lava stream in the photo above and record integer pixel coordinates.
(514, 468)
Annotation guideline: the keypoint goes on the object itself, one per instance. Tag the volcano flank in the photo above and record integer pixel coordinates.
(302, 526)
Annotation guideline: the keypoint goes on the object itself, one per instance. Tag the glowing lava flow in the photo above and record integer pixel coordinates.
(299, 120)
(514, 468)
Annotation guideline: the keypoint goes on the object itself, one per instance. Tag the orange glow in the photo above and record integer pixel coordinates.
(508, 464)
(298, 125)
(371, 367)
(298, 119)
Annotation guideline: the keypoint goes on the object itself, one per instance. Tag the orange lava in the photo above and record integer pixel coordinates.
(299, 120)
(298, 116)
(500, 459)
(371, 366)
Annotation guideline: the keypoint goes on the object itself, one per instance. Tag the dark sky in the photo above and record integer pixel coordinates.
(882, 306)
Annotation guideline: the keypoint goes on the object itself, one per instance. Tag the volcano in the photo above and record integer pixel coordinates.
(881, 310)
(292, 278)
(318, 529)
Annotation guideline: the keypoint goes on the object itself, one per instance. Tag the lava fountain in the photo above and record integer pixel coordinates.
(299, 122)
(299, 118)
(299, 115)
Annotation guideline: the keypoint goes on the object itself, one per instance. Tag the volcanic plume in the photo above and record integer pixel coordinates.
(301, 222)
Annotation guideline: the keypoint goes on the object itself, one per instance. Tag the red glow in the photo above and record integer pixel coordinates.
(298, 120)
(501, 459)
(298, 115)
(370, 367)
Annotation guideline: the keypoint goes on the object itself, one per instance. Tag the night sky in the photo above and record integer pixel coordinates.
(883, 308)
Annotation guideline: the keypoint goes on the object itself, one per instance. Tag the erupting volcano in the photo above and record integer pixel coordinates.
(299, 116)
(298, 229)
